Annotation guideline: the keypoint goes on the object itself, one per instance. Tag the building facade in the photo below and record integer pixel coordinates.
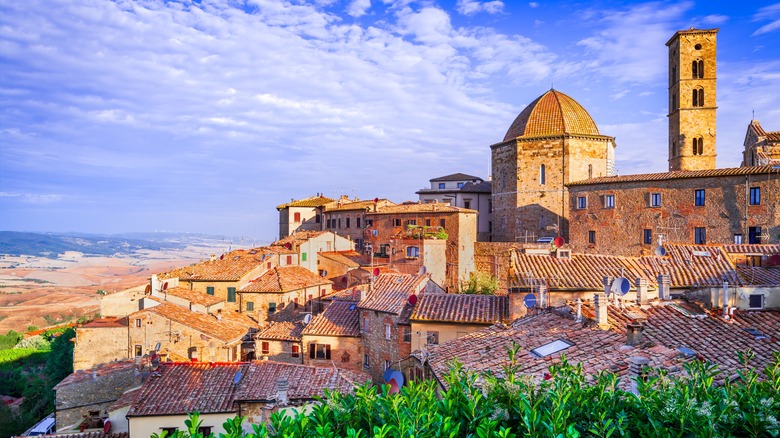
(464, 191)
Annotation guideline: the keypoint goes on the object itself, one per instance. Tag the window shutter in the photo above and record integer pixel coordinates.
(312, 350)
(327, 351)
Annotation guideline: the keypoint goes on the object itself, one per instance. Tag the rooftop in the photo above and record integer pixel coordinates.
(100, 371)
(350, 259)
(680, 174)
(341, 318)
(305, 382)
(285, 279)
(193, 296)
(552, 114)
(312, 201)
(359, 205)
(107, 322)
(456, 177)
(281, 331)
(461, 308)
(231, 328)
(228, 267)
(391, 292)
(415, 207)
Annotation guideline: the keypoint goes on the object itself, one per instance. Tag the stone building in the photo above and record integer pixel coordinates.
(97, 342)
(333, 337)
(553, 141)
(279, 288)
(348, 218)
(304, 247)
(464, 191)
(280, 342)
(692, 99)
(628, 215)
(302, 214)
(761, 147)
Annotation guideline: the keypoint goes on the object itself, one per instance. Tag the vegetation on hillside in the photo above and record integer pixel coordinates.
(564, 405)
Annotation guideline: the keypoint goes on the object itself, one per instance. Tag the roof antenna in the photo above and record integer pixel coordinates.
(552, 85)
(754, 115)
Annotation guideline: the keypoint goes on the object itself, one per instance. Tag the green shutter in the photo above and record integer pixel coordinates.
(303, 256)
(210, 290)
(250, 306)
(231, 295)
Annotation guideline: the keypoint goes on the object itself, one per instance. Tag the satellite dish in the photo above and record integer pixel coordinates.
(324, 273)
(106, 426)
(344, 279)
(376, 200)
(376, 272)
(222, 257)
(412, 299)
(388, 374)
(165, 286)
(288, 245)
(398, 377)
(660, 251)
(307, 318)
(262, 257)
(621, 286)
(157, 347)
(559, 242)
(529, 301)
(394, 388)
(423, 270)
(237, 377)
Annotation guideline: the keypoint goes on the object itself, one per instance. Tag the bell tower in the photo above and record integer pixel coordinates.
(692, 104)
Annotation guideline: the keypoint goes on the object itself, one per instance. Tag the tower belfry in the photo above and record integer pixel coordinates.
(692, 99)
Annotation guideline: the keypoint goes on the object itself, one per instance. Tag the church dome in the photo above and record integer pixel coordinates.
(552, 114)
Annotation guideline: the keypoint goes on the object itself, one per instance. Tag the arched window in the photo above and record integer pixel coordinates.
(698, 97)
(697, 69)
(698, 146)
(542, 176)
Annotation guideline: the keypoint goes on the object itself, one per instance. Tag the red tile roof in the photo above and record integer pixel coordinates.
(229, 267)
(341, 318)
(552, 114)
(350, 259)
(312, 201)
(231, 328)
(285, 279)
(391, 292)
(282, 331)
(462, 308)
(126, 399)
(297, 239)
(745, 248)
(663, 176)
(101, 370)
(350, 294)
(421, 208)
(94, 434)
(194, 297)
(359, 205)
(181, 388)
(693, 266)
(758, 276)
(305, 382)
(106, 322)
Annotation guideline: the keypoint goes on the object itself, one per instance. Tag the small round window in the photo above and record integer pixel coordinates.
(697, 47)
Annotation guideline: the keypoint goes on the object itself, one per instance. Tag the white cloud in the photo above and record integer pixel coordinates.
(358, 8)
(533, 4)
(769, 13)
(33, 198)
(714, 19)
(471, 7)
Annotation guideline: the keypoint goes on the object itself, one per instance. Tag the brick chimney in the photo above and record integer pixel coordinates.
(600, 301)
(641, 290)
(664, 292)
(634, 333)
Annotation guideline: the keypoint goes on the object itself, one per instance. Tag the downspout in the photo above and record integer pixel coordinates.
(747, 199)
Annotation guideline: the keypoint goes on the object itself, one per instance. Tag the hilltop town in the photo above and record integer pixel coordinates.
(553, 253)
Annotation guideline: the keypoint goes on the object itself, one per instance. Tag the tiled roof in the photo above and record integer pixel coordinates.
(181, 388)
(421, 208)
(101, 370)
(758, 276)
(580, 272)
(680, 174)
(282, 331)
(259, 383)
(194, 297)
(462, 308)
(312, 201)
(232, 327)
(693, 266)
(745, 248)
(456, 177)
(350, 259)
(597, 350)
(359, 205)
(349, 294)
(480, 187)
(285, 279)
(391, 291)
(552, 113)
(297, 239)
(341, 318)
(107, 322)
(228, 267)
(126, 399)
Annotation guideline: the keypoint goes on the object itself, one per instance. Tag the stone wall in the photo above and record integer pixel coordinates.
(378, 347)
(97, 345)
(345, 352)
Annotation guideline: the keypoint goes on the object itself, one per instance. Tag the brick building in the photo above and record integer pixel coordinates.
(348, 218)
(302, 214)
(761, 147)
(280, 342)
(333, 337)
(96, 342)
(464, 191)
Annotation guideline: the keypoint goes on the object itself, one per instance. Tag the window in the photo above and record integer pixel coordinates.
(297, 217)
(411, 222)
(756, 301)
(432, 338)
(348, 225)
(231, 295)
(210, 290)
(387, 364)
(542, 175)
(138, 322)
(319, 351)
(204, 430)
(407, 334)
(754, 235)
(271, 308)
(466, 203)
(250, 306)
(755, 195)
(698, 97)
(700, 235)
(697, 47)
(697, 145)
(388, 331)
(296, 351)
(674, 148)
(295, 303)
(384, 249)
(737, 239)
(441, 185)
(369, 223)
(697, 68)
(357, 221)
(265, 347)
(591, 236)
(655, 199)
(289, 260)
(412, 251)
(551, 348)
(609, 201)
(303, 256)
(442, 223)
(138, 351)
(396, 222)
(460, 185)
(339, 223)
(366, 325)
(582, 202)
(698, 197)
(169, 431)
(647, 236)
(366, 361)
(317, 219)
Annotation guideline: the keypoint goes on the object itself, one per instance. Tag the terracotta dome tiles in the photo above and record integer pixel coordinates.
(553, 113)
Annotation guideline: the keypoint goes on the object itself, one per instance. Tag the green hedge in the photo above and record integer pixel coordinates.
(566, 405)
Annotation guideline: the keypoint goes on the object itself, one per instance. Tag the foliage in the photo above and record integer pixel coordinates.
(565, 404)
(480, 283)
(10, 339)
(34, 343)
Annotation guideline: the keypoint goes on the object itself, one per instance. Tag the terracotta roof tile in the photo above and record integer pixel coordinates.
(305, 382)
(693, 266)
(663, 176)
(297, 239)
(126, 399)
(359, 205)
(552, 113)
(758, 276)
(391, 292)
(463, 308)
(350, 259)
(95, 434)
(312, 201)
(764, 249)
(232, 327)
(106, 322)
(282, 331)
(341, 318)
(421, 208)
(228, 267)
(194, 297)
(285, 279)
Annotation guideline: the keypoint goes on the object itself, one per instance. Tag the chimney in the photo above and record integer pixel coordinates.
(636, 365)
(600, 302)
(94, 372)
(663, 287)
(641, 291)
(607, 281)
(517, 307)
(281, 391)
(212, 257)
(219, 315)
(634, 333)
(725, 303)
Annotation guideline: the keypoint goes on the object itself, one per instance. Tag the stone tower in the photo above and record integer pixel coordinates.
(692, 92)
(552, 142)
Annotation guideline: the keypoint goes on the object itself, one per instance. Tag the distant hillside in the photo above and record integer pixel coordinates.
(52, 244)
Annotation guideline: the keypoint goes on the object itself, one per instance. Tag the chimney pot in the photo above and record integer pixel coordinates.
(634, 333)
(600, 301)
(663, 287)
(641, 290)
(635, 366)
(281, 391)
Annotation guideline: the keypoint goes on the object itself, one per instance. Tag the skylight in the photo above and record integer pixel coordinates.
(551, 348)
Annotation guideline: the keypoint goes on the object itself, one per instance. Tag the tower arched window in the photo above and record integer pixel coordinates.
(542, 175)
(698, 146)
(697, 69)
(698, 97)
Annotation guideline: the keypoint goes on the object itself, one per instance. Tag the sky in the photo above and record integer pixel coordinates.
(203, 116)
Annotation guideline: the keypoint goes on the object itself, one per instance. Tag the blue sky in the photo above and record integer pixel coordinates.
(202, 116)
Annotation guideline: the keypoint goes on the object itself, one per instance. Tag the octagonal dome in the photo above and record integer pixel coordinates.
(553, 113)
